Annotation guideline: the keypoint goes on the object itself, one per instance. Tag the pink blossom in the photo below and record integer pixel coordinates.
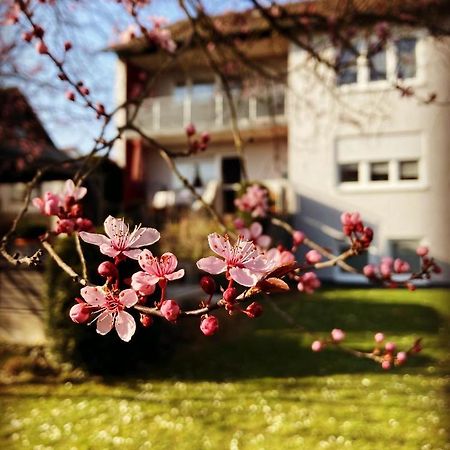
(390, 347)
(155, 270)
(298, 237)
(255, 234)
(386, 266)
(401, 357)
(170, 310)
(209, 325)
(64, 226)
(337, 335)
(49, 205)
(313, 257)
(401, 266)
(379, 337)
(119, 240)
(110, 310)
(386, 365)
(255, 201)
(317, 346)
(422, 250)
(276, 258)
(369, 271)
(253, 310)
(308, 283)
(242, 261)
(71, 191)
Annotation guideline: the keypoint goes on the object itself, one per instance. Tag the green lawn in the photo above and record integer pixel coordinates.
(258, 386)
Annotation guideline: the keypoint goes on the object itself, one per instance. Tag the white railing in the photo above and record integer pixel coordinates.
(209, 112)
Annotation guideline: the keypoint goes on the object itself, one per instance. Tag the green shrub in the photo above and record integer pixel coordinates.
(80, 344)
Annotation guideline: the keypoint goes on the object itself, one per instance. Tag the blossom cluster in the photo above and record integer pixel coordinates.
(353, 227)
(255, 201)
(196, 144)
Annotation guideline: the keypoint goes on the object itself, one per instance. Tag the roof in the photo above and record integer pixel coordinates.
(25, 146)
(315, 13)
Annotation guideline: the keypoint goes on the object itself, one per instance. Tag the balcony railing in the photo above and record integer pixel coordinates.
(171, 114)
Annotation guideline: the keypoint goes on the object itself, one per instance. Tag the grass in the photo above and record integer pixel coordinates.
(257, 385)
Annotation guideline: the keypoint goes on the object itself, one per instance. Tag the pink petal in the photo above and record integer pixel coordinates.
(128, 298)
(143, 283)
(211, 264)
(38, 203)
(148, 237)
(115, 228)
(109, 250)
(147, 261)
(105, 323)
(219, 245)
(168, 262)
(256, 230)
(264, 241)
(69, 188)
(175, 275)
(258, 264)
(93, 295)
(133, 253)
(125, 325)
(80, 192)
(94, 238)
(245, 233)
(243, 276)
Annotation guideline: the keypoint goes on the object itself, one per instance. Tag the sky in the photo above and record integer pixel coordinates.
(92, 27)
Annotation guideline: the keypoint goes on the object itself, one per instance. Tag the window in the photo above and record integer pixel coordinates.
(347, 67)
(231, 174)
(357, 261)
(409, 170)
(379, 171)
(406, 57)
(377, 65)
(348, 173)
(405, 249)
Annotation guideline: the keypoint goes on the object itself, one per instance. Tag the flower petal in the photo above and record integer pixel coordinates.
(94, 238)
(133, 253)
(258, 264)
(256, 230)
(175, 275)
(109, 250)
(219, 245)
(168, 263)
(147, 261)
(125, 325)
(69, 188)
(105, 323)
(143, 283)
(80, 193)
(244, 276)
(93, 295)
(212, 265)
(116, 229)
(148, 237)
(263, 241)
(128, 297)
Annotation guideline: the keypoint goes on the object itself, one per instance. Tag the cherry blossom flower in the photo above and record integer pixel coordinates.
(337, 335)
(308, 283)
(49, 205)
(255, 201)
(244, 263)
(255, 234)
(401, 266)
(119, 240)
(155, 270)
(110, 310)
(71, 191)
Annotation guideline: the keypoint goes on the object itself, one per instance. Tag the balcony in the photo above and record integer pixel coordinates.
(169, 115)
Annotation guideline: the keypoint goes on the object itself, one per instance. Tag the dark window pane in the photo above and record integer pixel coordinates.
(348, 172)
(406, 57)
(409, 170)
(405, 249)
(228, 200)
(377, 65)
(379, 171)
(347, 67)
(231, 170)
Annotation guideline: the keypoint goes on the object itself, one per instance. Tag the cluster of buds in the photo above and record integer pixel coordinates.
(255, 201)
(353, 227)
(197, 143)
(387, 267)
(336, 337)
(386, 352)
(427, 264)
(308, 283)
(66, 207)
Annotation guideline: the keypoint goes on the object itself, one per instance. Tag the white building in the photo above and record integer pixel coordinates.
(324, 142)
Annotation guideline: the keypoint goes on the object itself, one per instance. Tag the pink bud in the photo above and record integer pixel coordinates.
(401, 266)
(208, 284)
(355, 218)
(422, 250)
(386, 365)
(379, 337)
(38, 31)
(401, 357)
(317, 346)
(298, 237)
(190, 130)
(70, 96)
(209, 325)
(41, 48)
(146, 320)
(79, 313)
(313, 257)
(84, 90)
(346, 218)
(108, 270)
(337, 335)
(170, 310)
(253, 310)
(27, 36)
(205, 137)
(390, 347)
(230, 294)
(385, 270)
(84, 224)
(239, 223)
(64, 226)
(369, 271)
(67, 46)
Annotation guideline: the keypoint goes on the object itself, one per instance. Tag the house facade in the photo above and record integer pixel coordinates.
(323, 142)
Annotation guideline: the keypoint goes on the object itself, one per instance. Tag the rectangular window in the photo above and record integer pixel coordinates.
(406, 57)
(377, 64)
(347, 69)
(379, 171)
(409, 170)
(405, 249)
(348, 173)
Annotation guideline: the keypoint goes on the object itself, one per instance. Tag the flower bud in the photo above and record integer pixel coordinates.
(205, 137)
(79, 313)
(41, 48)
(190, 130)
(386, 365)
(70, 96)
(337, 335)
(313, 257)
(369, 271)
(67, 46)
(401, 357)
(170, 310)
(64, 226)
(390, 347)
(253, 310)
(208, 284)
(209, 325)
(379, 337)
(298, 237)
(422, 250)
(230, 295)
(317, 346)
(146, 320)
(107, 270)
